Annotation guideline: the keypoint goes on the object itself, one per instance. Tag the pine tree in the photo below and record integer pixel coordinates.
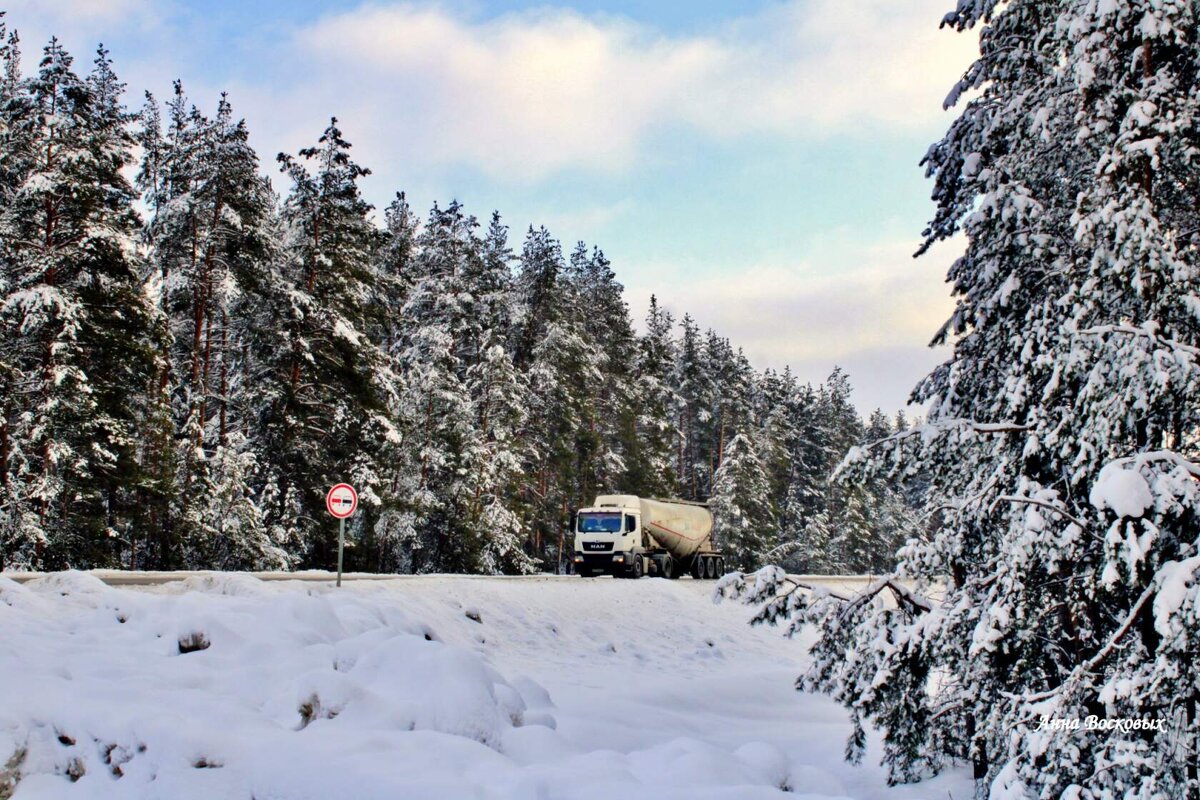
(17, 532)
(652, 472)
(212, 239)
(394, 278)
(79, 331)
(328, 392)
(562, 366)
(744, 522)
(1060, 447)
(693, 385)
(490, 279)
(498, 459)
(438, 417)
(608, 440)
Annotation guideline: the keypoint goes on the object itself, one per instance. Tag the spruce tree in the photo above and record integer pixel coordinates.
(498, 460)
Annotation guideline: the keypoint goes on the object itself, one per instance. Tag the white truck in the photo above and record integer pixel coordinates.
(628, 536)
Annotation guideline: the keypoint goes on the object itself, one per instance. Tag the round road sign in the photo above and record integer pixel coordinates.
(342, 500)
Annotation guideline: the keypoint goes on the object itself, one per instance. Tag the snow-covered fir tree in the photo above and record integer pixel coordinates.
(745, 523)
(499, 456)
(329, 392)
(652, 472)
(193, 382)
(564, 364)
(1060, 450)
(437, 413)
(79, 333)
(211, 243)
(695, 389)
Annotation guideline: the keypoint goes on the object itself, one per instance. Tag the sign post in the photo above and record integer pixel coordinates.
(341, 501)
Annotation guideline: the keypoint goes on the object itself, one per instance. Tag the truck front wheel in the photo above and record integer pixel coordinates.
(638, 566)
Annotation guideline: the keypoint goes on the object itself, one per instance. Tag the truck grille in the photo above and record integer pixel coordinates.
(597, 547)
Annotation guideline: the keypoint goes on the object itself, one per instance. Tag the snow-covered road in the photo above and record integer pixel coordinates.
(437, 687)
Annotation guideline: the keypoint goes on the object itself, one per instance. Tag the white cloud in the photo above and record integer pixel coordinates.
(533, 93)
(872, 317)
(74, 16)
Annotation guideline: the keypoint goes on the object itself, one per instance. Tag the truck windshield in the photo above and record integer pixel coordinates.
(600, 522)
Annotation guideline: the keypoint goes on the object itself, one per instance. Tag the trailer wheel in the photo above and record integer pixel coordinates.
(697, 568)
(720, 566)
(671, 570)
(710, 568)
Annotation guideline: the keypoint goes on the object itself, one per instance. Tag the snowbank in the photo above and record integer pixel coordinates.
(226, 686)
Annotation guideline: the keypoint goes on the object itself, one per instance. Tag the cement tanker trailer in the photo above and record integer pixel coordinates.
(628, 537)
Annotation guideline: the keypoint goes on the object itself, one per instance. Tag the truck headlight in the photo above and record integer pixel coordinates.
(578, 558)
(619, 559)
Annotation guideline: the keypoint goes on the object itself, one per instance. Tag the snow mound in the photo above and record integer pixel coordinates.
(1122, 490)
(217, 686)
(563, 689)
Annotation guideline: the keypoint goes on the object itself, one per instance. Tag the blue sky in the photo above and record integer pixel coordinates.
(754, 163)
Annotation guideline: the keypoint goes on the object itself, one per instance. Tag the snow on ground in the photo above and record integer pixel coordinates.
(225, 686)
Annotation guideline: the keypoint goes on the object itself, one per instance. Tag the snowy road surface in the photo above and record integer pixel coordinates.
(437, 687)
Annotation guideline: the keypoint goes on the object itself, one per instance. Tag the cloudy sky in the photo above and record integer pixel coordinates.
(753, 162)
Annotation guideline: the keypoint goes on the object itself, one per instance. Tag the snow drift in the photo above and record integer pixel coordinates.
(434, 687)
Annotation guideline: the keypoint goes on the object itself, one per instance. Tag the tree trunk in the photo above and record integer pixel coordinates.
(197, 333)
(218, 205)
(224, 355)
(204, 374)
(5, 442)
(1192, 750)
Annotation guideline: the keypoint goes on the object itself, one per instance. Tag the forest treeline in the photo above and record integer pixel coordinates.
(188, 361)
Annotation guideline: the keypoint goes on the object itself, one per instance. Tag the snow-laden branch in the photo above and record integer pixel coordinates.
(1100, 655)
(961, 506)
(931, 430)
(955, 423)
(1057, 509)
(902, 594)
(1130, 330)
(1157, 456)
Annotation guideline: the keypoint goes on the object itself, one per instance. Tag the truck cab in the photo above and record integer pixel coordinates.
(609, 539)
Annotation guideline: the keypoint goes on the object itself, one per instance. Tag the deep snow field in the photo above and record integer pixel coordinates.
(429, 687)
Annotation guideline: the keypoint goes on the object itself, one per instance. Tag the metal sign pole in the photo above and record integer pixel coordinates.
(341, 502)
(341, 545)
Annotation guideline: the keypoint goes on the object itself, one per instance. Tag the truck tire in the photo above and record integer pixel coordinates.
(697, 567)
(638, 567)
(710, 568)
(720, 567)
(670, 571)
